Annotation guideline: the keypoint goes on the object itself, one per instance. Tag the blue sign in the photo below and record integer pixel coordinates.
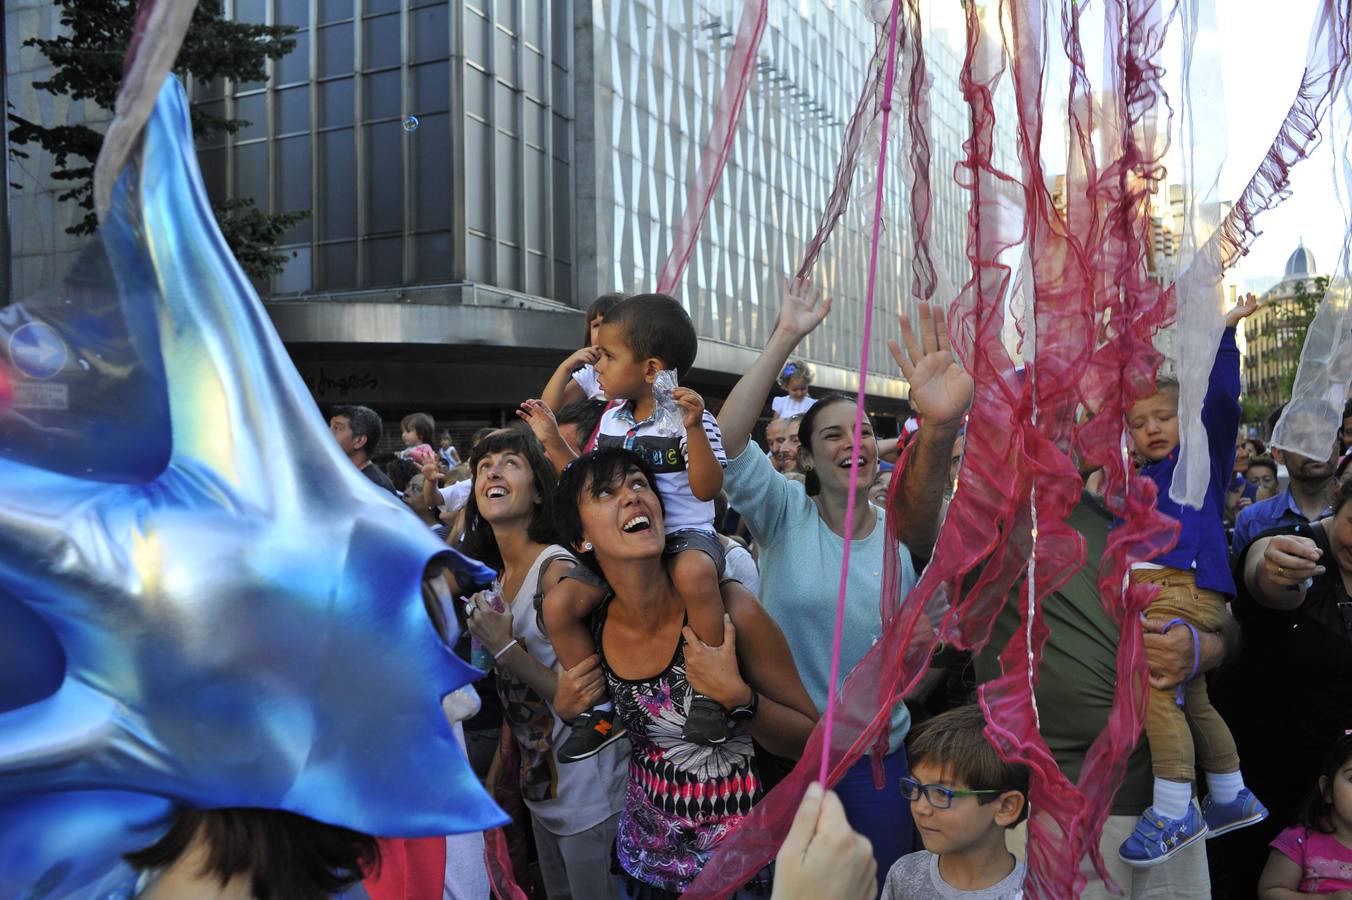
(37, 350)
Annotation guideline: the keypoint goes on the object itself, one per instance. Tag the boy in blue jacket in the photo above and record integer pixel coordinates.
(1194, 580)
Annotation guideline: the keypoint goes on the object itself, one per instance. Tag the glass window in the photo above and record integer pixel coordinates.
(295, 275)
(251, 173)
(335, 103)
(295, 66)
(384, 262)
(250, 11)
(370, 7)
(293, 110)
(430, 146)
(335, 50)
(216, 139)
(335, 10)
(289, 12)
(338, 266)
(212, 163)
(254, 110)
(385, 177)
(293, 183)
(431, 31)
(384, 95)
(431, 88)
(432, 257)
(337, 166)
(382, 40)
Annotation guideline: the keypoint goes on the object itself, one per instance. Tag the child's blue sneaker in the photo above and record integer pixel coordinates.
(1156, 839)
(1240, 812)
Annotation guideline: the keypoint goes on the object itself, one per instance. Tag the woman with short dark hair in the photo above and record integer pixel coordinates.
(683, 798)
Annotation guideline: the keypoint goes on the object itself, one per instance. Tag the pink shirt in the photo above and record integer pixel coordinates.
(1325, 864)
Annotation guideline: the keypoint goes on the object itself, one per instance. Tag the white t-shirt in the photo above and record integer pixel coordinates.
(591, 790)
(787, 407)
(590, 384)
(667, 455)
(916, 877)
(456, 496)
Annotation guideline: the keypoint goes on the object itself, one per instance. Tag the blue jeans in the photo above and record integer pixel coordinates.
(882, 816)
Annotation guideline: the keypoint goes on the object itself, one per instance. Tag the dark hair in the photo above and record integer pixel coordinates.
(401, 472)
(1342, 495)
(593, 472)
(1347, 410)
(955, 742)
(655, 326)
(1273, 418)
(285, 855)
(423, 424)
(811, 483)
(480, 435)
(1314, 811)
(599, 309)
(1262, 447)
(585, 414)
(365, 422)
(1263, 460)
(479, 540)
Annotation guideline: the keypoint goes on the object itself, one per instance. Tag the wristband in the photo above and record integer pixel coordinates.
(1196, 653)
(505, 647)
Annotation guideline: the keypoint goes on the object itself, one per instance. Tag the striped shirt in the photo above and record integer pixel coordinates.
(667, 455)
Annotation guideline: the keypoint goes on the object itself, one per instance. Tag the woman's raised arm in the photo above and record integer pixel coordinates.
(800, 311)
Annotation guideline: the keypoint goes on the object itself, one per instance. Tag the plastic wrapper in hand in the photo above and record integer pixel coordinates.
(667, 418)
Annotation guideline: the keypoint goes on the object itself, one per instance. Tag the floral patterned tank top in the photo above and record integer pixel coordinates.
(682, 799)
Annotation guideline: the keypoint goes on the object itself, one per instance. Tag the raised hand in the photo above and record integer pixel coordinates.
(692, 407)
(1246, 308)
(587, 356)
(941, 390)
(801, 308)
(541, 420)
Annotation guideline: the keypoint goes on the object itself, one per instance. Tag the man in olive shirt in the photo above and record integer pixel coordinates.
(1075, 693)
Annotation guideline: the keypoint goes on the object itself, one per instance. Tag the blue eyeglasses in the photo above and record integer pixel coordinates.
(938, 796)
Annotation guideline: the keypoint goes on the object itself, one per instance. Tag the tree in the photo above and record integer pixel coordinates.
(87, 59)
(1294, 315)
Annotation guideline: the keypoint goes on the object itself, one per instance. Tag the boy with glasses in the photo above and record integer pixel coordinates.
(964, 799)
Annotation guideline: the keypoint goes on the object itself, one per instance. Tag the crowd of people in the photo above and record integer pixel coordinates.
(657, 649)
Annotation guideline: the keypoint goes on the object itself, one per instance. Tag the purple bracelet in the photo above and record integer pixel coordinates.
(1196, 653)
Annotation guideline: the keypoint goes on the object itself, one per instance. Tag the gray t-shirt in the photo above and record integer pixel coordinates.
(916, 877)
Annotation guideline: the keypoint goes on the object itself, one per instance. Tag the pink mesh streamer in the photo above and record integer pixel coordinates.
(718, 146)
(1092, 322)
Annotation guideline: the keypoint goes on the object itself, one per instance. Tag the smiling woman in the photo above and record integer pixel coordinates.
(683, 798)
(509, 525)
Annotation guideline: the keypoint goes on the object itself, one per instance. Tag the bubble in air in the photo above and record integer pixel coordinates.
(410, 124)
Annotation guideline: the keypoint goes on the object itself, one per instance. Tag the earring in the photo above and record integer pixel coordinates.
(587, 546)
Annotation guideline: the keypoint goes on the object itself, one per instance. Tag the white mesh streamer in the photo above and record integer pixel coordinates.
(1201, 300)
(1310, 422)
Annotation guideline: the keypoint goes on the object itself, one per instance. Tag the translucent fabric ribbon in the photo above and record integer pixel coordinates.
(1092, 323)
(718, 145)
(1310, 422)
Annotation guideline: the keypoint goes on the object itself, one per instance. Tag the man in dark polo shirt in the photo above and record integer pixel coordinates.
(357, 430)
(1075, 693)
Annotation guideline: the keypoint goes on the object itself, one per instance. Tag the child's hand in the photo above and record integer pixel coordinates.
(692, 407)
(431, 471)
(1243, 311)
(587, 356)
(541, 420)
(801, 308)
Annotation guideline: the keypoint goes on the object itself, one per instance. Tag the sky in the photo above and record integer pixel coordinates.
(1263, 57)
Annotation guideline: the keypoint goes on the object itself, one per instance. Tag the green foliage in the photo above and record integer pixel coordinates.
(87, 60)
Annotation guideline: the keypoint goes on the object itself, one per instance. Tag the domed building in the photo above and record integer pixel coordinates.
(1273, 335)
